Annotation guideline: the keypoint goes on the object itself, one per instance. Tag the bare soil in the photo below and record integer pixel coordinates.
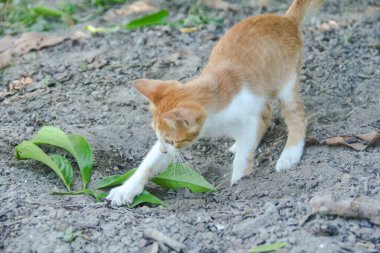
(341, 91)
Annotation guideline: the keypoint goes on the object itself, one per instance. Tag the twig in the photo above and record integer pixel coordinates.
(164, 239)
(361, 207)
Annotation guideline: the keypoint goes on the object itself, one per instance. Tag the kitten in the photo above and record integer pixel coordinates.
(255, 62)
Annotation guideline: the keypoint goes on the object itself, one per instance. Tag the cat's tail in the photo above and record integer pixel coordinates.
(300, 8)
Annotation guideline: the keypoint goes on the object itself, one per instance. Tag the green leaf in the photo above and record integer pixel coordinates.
(47, 12)
(268, 247)
(97, 195)
(64, 166)
(74, 144)
(146, 197)
(83, 155)
(157, 18)
(28, 150)
(114, 180)
(180, 176)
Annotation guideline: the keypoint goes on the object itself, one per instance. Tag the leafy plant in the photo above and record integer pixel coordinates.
(268, 247)
(175, 177)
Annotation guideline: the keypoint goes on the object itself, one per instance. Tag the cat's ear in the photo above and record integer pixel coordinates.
(189, 116)
(153, 90)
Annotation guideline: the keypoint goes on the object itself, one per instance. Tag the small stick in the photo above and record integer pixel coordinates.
(360, 207)
(164, 239)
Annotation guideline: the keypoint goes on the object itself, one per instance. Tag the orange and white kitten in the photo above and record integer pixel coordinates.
(255, 62)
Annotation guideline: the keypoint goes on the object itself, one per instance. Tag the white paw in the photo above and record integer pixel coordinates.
(290, 157)
(233, 148)
(124, 194)
(235, 178)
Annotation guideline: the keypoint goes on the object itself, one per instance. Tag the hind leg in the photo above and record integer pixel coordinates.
(295, 118)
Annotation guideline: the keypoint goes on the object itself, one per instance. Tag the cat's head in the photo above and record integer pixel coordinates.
(177, 117)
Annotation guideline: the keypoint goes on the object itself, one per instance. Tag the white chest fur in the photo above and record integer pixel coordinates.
(244, 107)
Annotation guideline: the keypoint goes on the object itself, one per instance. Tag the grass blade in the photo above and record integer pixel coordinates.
(114, 180)
(28, 150)
(180, 176)
(157, 18)
(268, 247)
(146, 197)
(74, 144)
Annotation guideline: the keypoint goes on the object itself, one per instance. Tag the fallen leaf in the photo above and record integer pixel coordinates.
(190, 29)
(19, 84)
(220, 5)
(11, 47)
(100, 30)
(127, 9)
(357, 142)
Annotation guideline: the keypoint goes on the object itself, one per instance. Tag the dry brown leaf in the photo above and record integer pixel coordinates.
(219, 4)
(11, 47)
(357, 142)
(19, 84)
(127, 9)
(15, 86)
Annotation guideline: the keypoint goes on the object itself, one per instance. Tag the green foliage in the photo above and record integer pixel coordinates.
(115, 180)
(107, 2)
(146, 197)
(157, 18)
(28, 150)
(175, 177)
(47, 12)
(180, 176)
(75, 144)
(268, 247)
(23, 15)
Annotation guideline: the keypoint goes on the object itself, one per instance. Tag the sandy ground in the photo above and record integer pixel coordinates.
(341, 91)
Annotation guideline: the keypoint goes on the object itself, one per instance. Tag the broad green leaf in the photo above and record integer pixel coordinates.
(74, 144)
(47, 12)
(83, 155)
(114, 180)
(157, 18)
(64, 166)
(268, 247)
(180, 176)
(146, 197)
(28, 150)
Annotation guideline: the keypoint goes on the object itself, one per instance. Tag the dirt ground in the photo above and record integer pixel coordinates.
(341, 91)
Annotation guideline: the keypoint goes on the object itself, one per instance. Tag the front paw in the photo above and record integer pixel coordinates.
(289, 157)
(123, 195)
